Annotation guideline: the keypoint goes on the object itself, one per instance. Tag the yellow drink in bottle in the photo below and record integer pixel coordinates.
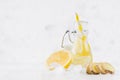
(82, 52)
(81, 48)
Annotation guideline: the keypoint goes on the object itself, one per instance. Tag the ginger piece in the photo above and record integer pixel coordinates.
(101, 69)
(108, 68)
(97, 68)
(89, 69)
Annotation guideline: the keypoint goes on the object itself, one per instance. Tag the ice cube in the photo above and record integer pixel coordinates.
(75, 68)
(59, 70)
(54, 65)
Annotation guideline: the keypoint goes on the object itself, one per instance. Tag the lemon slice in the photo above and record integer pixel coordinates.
(61, 57)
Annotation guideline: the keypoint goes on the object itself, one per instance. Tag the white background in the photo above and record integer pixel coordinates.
(30, 30)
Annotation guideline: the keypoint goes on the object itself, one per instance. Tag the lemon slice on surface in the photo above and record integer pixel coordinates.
(61, 57)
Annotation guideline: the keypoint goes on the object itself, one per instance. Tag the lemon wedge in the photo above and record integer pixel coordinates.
(61, 57)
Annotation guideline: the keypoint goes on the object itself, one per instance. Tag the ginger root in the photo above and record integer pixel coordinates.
(97, 68)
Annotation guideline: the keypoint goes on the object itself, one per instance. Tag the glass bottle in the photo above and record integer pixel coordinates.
(80, 49)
